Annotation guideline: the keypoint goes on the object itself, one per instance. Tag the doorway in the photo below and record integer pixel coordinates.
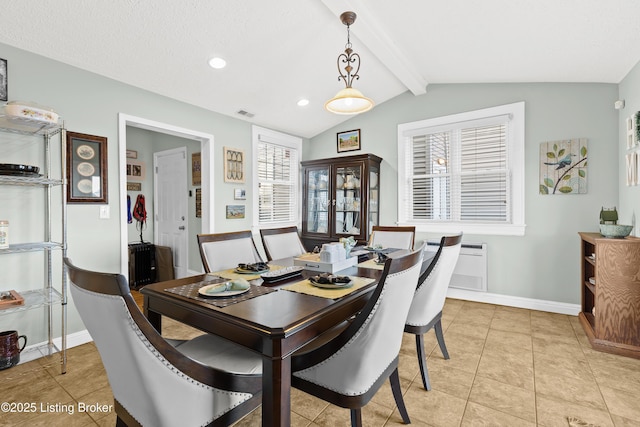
(206, 143)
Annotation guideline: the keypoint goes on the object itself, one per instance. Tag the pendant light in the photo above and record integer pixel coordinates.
(348, 100)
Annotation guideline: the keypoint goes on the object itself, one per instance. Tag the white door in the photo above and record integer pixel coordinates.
(170, 205)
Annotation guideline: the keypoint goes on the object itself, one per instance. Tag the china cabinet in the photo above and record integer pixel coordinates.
(610, 293)
(341, 198)
(41, 143)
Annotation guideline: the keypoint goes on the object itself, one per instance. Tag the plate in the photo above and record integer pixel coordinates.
(203, 292)
(243, 271)
(331, 285)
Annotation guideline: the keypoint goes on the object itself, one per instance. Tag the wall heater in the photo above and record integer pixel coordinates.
(471, 270)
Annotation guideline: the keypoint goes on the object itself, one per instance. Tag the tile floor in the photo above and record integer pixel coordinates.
(508, 367)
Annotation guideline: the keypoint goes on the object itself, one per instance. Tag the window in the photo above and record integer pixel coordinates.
(463, 172)
(276, 166)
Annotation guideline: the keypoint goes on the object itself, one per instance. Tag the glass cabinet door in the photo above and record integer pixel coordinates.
(348, 197)
(318, 202)
(374, 196)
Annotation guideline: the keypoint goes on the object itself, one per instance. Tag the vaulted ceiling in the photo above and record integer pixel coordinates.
(279, 52)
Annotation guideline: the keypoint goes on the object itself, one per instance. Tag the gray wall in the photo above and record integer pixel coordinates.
(629, 207)
(543, 264)
(90, 104)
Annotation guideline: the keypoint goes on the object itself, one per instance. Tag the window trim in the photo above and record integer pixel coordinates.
(516, 164)
(260, 134)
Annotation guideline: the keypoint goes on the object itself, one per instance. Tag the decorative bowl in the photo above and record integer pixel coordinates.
(616, 231)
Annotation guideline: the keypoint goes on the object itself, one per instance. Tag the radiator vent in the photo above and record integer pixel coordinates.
(471, 270)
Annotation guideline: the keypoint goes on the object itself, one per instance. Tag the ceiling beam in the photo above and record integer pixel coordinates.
(372, 34)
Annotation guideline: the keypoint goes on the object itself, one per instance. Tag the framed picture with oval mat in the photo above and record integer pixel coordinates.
(86, 168)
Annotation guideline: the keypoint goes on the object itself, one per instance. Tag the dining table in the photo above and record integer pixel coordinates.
(273, 319)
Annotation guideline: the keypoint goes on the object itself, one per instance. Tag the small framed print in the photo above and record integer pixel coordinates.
(86, 168)
(4, 80)
(348, 141)
(134, 186)
(135, 170)
(235, 211)
(233, 165)
(132, 154)
(196, 169)
(240, 194)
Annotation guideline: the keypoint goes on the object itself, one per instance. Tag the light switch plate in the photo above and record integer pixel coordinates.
(104, 212)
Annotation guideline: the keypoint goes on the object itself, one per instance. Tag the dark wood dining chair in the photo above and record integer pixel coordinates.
(221, 251)
(429, 298)
(347, 367)
(281, 242)
(204, 381)
(393, 237)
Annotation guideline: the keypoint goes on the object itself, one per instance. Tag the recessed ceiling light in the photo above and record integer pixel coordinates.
(217, 63)
(303, 102)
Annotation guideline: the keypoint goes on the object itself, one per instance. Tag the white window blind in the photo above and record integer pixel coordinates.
(276, 170)
(277, 186)
(461, 170)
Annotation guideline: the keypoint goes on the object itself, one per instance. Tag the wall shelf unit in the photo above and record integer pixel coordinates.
(50, 140)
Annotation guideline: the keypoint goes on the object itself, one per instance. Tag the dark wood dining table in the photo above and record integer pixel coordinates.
(274, 324)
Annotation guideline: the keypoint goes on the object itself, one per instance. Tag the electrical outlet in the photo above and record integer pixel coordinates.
(104, 212)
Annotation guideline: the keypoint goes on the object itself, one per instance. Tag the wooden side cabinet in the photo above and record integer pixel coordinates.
(610, 293)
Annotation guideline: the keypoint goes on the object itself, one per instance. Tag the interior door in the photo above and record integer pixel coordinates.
(170, 205)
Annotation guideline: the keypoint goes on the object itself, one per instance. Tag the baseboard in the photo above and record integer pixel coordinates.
(39, 350)
(513, 301)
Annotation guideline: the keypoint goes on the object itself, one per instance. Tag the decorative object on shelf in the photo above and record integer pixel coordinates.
(233, 165)
(132, 154)
(240, 194)
(196, 169)
(563, 167)
(373, 179)
(4, 80)
(87, 168)
(348, 100)
(235, 211)
(615, 231)
(608, 215)
(10, 298)
(29, 112)
(10, 348)
(348, 141)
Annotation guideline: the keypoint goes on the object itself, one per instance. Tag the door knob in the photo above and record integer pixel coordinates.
(181, 227)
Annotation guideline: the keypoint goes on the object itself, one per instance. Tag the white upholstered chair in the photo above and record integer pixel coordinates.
(205, 381)
(349, 368)
(281, 242)
(222, 251)
(429, 298)
(392, 237)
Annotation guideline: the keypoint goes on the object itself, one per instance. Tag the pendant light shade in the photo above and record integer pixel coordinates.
(348, 100)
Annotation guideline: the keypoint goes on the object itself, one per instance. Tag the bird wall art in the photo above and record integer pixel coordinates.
(563, 167)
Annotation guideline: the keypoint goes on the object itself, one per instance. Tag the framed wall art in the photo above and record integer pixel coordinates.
(86, 168)
(134, 186)
(4, 80)
(196, 169)
(132, 154)
(233, 165)
(348, 141)
(240, 194)
(235, 211)
(135, 170)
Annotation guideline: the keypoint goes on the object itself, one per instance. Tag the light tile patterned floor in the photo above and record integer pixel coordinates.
(508, 367)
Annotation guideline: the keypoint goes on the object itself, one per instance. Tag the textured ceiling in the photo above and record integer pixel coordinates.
(280, 51)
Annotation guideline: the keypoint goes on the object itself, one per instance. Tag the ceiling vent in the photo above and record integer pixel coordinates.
(246, 113)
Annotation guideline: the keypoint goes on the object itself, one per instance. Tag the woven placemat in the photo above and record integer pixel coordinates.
(371, 264)
(305, 287)
(191, 291)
